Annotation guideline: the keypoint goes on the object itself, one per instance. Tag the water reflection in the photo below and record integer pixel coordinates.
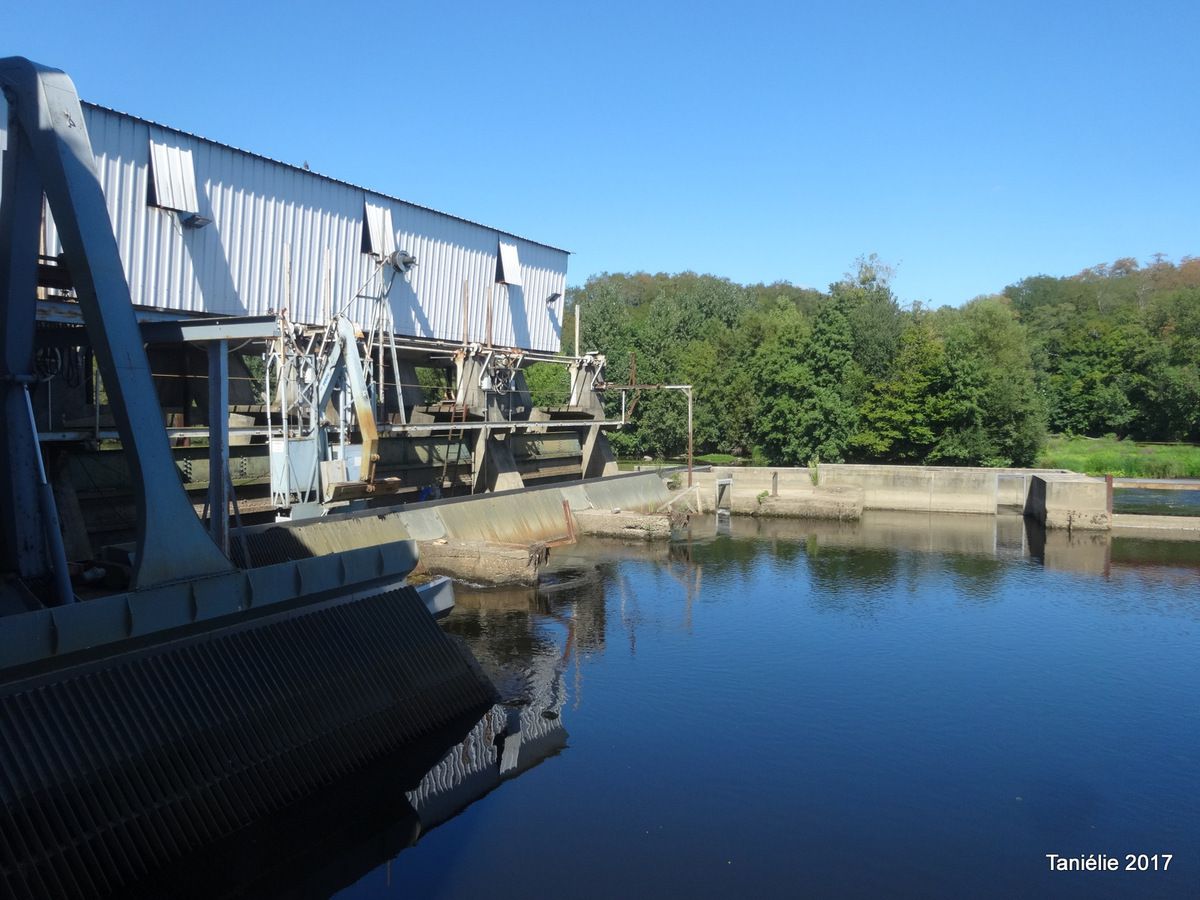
(874, 542)
(738, 621)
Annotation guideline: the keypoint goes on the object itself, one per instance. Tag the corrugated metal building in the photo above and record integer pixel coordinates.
(206, 228)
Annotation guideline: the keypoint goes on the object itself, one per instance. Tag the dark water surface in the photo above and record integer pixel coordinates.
(909, 706)
(1156, 502)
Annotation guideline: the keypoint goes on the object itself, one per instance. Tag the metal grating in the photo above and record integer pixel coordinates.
(268, 547)
(111, 770)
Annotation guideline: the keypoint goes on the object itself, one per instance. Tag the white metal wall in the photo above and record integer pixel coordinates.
(285, 238)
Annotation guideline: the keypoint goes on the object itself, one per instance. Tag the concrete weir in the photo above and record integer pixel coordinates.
(497, 538)
(1054, 498)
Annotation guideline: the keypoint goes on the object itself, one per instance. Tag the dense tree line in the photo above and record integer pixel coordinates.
(790, 375)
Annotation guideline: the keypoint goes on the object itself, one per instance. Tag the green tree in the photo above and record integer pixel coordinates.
(866, 300)
(549, 383)
(906, 413)
(988, 350)
(804, 377)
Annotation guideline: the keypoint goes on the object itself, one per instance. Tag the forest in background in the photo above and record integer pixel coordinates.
(788, 375)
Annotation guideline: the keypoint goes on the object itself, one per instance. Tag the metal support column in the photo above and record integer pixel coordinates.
(218, 443)
(22, 548)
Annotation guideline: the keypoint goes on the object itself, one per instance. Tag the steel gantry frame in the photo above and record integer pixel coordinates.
(49, 154)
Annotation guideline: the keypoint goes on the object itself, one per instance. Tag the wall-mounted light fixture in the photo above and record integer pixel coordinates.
(553, 298)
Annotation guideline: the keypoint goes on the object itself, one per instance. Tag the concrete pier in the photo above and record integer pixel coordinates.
(627, 525)
(479, 562)
(1070, 501)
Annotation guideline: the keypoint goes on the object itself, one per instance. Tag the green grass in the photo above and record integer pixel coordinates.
(718, 459)
(1108, 456)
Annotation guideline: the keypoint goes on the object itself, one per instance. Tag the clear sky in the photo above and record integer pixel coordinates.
(969, 144)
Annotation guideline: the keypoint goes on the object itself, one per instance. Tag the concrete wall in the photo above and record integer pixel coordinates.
(781, 492)
(1067, 500)
(1056, 498)
(950, 489)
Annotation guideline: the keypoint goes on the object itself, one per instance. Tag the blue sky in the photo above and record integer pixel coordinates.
(968, 144)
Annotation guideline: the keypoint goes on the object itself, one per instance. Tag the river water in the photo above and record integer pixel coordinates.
(907, 706)
(1156, 502)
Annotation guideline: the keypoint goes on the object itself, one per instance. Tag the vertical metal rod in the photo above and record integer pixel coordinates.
(247, 563)
(396, 368)
(270, 433)
(688, 391)
(284, 424)
(96, 399)
(578, 316)
(466, 313)
(267, 393)
(218, 443)
(50, 526)
(491, 303)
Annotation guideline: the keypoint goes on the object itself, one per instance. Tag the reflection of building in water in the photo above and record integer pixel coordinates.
(348, 833)
(504, 743)
(504, 629)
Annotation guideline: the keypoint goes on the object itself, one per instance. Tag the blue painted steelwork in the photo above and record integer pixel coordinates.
(49, 151)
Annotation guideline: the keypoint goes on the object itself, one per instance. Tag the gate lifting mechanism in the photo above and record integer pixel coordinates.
(315, 381)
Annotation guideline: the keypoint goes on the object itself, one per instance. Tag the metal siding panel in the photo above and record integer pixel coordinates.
(545, 277)
(238, 264)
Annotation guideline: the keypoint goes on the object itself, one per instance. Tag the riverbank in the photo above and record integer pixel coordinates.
(1109, 456)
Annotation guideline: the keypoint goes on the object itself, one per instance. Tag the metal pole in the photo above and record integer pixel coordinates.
(688, 391)
(50, 526)
(96, 400)
(218, 443)
(578, 311)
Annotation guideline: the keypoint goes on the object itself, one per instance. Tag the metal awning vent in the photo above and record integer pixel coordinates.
(172, 178)
(508, 265)
(379, 237)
